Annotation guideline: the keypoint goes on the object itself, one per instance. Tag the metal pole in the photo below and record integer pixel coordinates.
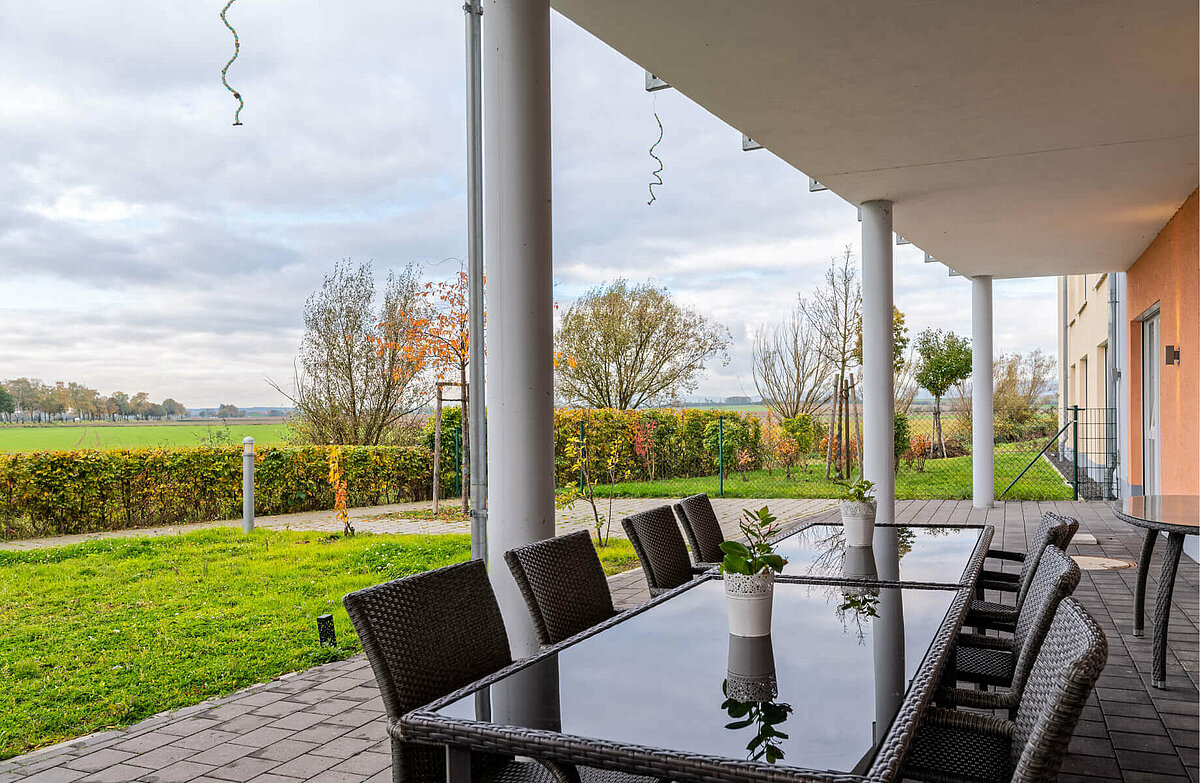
(582, 458)
(477, 419)
(877, 384)
(248, 485)
(437, 450)
(1075, 452)
(983, 446)
(721, 455)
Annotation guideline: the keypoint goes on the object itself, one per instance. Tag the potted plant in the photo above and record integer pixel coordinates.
(749, 570)
(858, 512)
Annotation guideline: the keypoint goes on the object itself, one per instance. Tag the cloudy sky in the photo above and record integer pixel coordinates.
(148, 245)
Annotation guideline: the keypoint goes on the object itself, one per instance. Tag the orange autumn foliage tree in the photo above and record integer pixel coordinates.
(436, 338)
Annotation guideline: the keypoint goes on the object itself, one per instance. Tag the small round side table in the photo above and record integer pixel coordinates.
(1177, 516)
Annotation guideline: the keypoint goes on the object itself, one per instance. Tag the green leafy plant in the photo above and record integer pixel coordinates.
(757, 556)
(764, 716)
(859, 491)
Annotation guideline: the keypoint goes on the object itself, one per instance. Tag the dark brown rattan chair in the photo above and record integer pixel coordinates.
(656, 539)
(703, 531)
(952, 745)
(1053, 529)
(563, 583)
(992, 660)
(427, 636)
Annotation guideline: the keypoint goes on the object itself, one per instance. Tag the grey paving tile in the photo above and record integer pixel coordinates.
(203, 740)
(161, 757)
(179, 772)
(262, 737)
(100, 759)
(55, 775)
(344, 747)
(243, 769)
(365, 763)
(222, 754)
(284, 750)
(305, 766)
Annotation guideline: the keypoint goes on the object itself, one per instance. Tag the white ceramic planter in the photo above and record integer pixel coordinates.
(749, 599)
(858, 519)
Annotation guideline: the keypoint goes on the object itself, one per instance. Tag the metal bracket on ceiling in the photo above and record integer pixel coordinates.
(814, 186)
(902, 241)
(930, 259)
(654, 84)
(749, 144)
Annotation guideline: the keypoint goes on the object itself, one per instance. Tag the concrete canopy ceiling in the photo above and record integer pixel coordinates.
(1016, 139)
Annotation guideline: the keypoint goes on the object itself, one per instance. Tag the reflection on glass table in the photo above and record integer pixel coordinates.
(928, 554)
(749, 689)
(651, 679)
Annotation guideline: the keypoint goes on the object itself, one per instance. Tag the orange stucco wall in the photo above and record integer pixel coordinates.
(1168, 273)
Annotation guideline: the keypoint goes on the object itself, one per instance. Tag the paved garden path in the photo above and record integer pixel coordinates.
(326, 725)
(394, 519)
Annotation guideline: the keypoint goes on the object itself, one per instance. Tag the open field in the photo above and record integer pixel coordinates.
(66, 437)
(942, 478)
(105, 633)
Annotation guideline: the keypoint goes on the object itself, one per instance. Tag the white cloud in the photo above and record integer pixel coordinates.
(145, 244)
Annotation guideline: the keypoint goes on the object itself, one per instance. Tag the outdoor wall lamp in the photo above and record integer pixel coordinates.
(1172, 355)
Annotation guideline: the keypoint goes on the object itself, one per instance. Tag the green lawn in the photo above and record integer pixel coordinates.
(103, 634)
(943, 478)
(64, 437)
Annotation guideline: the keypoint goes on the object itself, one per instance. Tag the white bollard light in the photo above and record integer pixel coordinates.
(248, 484)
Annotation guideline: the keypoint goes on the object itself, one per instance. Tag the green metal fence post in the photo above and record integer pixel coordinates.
(721, 455)
(1075, 452)
(582, 457)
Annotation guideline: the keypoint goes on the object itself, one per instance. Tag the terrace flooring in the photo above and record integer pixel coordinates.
(326, 725)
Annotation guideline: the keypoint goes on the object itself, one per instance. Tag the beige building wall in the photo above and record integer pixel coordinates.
(1083, 363)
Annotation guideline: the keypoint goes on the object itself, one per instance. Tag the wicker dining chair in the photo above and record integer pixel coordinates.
(992, 660)
(952, 745)
(428, 635)
(703, 531)
(656, 539)
(563, 583)
(1053, 529)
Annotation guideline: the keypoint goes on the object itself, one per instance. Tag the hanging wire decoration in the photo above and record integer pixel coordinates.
(236, 47)
(657, 171)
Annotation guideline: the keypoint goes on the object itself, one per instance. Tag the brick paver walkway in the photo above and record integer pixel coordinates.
(326, 725)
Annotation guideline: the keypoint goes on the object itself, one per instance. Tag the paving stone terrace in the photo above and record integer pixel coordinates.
(326, 725)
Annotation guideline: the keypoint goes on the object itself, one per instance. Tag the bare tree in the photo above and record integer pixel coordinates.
(791, 373)
(353, 383)
(834, 310)
(904, 380)
(623, 346)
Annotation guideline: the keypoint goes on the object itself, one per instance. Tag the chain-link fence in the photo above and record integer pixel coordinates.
(754, 454)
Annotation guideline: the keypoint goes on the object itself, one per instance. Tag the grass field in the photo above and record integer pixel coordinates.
(103, 634)
(63, 437)
(942, 479)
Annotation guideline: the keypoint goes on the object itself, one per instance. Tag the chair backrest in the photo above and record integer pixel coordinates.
(700, 525)
(656, 539)
(1056, 577)
(1063, 675)
(563, 583)
(426, 636)
(1065, 534)
(1050, 530)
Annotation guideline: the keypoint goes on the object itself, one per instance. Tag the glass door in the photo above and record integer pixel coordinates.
(1151, 466)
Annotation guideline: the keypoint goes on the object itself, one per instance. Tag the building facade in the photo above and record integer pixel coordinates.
(1125, 371)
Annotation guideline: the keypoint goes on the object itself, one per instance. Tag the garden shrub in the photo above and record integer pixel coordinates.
(901, 438)
(63, 492)
(677, 447)
(803, 431)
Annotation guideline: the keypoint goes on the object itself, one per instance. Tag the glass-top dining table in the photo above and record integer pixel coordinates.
(833, 693)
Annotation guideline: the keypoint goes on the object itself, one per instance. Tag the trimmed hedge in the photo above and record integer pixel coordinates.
(682, 442)
(43, 493)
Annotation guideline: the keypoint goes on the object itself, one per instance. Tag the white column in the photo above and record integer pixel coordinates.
(983, 445)
(878, 397)
(520, 306)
